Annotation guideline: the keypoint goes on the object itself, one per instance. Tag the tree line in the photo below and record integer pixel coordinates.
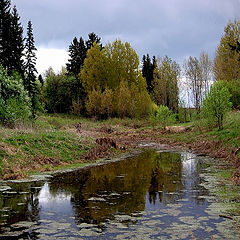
(109, 81)
(19, 90)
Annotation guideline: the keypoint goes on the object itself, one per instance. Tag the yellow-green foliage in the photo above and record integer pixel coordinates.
(113, 82)
(107, 102)
(123, 63)
(124, 100)
(93, 104)
(165, 83)
(92, 74)
(140, 99)
(226, 63)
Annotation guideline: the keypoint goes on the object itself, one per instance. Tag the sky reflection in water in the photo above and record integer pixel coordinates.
(154, 195)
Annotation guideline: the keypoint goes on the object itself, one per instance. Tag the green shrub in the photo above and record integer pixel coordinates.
(165, 116)
(162, 116)
(59, 93)
(217, 104)
(14, 100)
(234, 89)
(153, 118)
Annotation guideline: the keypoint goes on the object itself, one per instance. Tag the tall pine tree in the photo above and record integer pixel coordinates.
(5, 38)
(30, 80)
(11, 39)
(17, 43)
(92, 37)
(147, 71)
(77, 53)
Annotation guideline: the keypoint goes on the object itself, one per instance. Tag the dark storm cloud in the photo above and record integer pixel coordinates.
(177, 28)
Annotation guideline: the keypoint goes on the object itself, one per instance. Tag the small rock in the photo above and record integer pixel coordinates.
(86, 225)
(36, 188)
(23, 224)
(23, 193)
(114, 194)
(97, 199)
(5, 188)
(10, 235)
(10, 193)
(125, 218)
(21, 204)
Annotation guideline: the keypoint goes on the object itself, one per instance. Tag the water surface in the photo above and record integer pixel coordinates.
(156, 195)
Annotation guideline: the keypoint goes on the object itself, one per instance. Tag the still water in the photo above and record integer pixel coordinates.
(155, 195)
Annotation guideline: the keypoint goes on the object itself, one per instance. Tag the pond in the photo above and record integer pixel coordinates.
(155, 195)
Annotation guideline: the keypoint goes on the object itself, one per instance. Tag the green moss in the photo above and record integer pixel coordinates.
(225, 174)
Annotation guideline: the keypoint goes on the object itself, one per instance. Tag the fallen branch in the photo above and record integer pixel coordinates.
(225, 216)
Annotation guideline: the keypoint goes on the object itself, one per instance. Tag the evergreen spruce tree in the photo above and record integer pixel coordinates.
(40, 79)
(17, 44)
(92, 37)
(11, 39)
(5, 38)
(77, 53)
(147, 71)
(30, 80)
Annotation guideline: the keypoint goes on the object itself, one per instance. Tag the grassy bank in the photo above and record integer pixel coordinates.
(52, 141)
(49, 142)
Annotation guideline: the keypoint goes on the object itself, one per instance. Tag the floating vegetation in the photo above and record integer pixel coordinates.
(156, 195)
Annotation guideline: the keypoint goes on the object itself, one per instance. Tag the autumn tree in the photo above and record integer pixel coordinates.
(107, 103)
(165, 83)
(227, 60)
(92, 74)
(124, 100)
(122, 63)
(226, 63)
(140, 99)
(109, 66)
(93, 104)
(116, 67)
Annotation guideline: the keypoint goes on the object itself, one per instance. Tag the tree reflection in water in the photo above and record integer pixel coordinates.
(98, 194)
(121, 187)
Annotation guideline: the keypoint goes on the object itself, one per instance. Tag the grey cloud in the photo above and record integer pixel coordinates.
(177, 28)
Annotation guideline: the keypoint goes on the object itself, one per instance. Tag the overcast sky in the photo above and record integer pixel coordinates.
(177, 28)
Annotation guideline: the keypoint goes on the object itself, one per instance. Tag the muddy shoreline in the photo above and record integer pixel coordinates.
(44, 176)
(125, 141)
(218, 208)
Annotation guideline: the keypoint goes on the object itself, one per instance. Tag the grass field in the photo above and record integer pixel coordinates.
(51, 141)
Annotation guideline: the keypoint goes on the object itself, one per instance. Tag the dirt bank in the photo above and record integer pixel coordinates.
(108, 141)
